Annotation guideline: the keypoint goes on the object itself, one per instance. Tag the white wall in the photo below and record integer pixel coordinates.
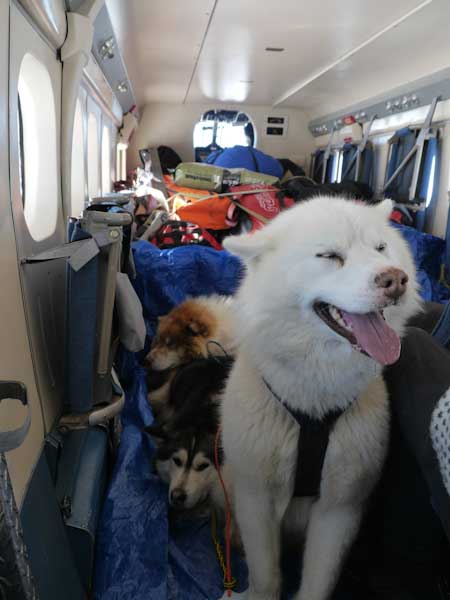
(173, 125)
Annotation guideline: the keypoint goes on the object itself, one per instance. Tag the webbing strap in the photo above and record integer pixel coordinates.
(14, 390)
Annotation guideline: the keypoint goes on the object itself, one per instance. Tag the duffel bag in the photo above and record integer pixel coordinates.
(208, 177)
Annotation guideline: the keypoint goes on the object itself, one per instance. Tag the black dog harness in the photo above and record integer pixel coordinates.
(312, 444)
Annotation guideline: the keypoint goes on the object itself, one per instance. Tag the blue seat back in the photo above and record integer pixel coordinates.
(91, 337)
(81, 329)
(317, 166)
(366, 163)
(401, 143)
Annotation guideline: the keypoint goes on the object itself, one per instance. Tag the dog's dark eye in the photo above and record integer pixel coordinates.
(331, 256)
(177, 461)
(202, 466)
(191, 329)
(381, 247)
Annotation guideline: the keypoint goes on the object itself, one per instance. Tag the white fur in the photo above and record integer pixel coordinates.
(315, 370)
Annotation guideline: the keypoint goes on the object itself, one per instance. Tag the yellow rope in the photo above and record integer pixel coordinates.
(443, 277)
(228, 585)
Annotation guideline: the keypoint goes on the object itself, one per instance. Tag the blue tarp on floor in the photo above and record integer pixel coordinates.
(137, 558)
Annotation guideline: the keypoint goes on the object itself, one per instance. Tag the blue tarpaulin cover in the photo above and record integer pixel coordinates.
(429, 254)
(137, 557)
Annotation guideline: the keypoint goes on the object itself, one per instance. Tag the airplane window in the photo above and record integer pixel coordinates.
(78, 175)
(224, 128)
(106, 160)
(37, 148)
(431, 182)
(338, 158)
(21, 156)
(121, 162)
(93, 158)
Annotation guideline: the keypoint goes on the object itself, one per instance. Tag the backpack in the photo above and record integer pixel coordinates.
(259, 208)
(182, 233)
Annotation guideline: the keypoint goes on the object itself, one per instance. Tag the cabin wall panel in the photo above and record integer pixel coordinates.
(15, 353)
(43, 284)
(173, 125)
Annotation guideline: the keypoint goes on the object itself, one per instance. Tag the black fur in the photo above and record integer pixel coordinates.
(193, 397)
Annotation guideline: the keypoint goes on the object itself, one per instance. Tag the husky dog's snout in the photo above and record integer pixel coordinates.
(393, 282)
(178, 497)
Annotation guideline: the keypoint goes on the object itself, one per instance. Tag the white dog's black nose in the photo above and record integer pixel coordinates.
(178, 497)
(393, 281)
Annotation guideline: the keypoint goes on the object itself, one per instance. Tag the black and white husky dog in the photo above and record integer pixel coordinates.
(184, 456)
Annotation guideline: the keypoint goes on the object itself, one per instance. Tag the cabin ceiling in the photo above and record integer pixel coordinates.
(335, 53)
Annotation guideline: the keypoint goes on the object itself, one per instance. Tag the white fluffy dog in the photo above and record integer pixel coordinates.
(329, 287)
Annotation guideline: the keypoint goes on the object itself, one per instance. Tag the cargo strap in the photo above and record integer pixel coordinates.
(14, 390)
(312, 444)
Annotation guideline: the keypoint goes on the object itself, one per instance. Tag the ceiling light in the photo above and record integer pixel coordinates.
(106, 49)
(245, 80)
(274, 49)
(122, 87)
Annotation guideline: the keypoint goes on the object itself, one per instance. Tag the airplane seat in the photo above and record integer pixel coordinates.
(413, 165)
(401, 143)
(78, 450)
(317, 166)
(349, 164)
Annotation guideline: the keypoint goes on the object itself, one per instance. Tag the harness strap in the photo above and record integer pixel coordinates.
(312, 444)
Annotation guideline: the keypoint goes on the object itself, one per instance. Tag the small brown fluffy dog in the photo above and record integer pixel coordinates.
(197, 328)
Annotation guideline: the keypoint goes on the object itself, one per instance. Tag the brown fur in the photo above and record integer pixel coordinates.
(185, 331)
(184, 335)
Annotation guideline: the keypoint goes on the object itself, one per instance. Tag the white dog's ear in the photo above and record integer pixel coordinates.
(385, 207)
(248, 245)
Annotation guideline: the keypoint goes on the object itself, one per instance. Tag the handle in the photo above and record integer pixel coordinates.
(14, 390)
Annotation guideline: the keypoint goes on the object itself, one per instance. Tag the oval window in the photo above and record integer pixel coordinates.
(218, 129)
(106, 161)
(38, 145)
(93, 157)
(78, 194)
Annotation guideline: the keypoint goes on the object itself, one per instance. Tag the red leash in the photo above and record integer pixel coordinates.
(229, 581)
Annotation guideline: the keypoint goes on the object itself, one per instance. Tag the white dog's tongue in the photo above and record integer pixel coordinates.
(375, 336)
